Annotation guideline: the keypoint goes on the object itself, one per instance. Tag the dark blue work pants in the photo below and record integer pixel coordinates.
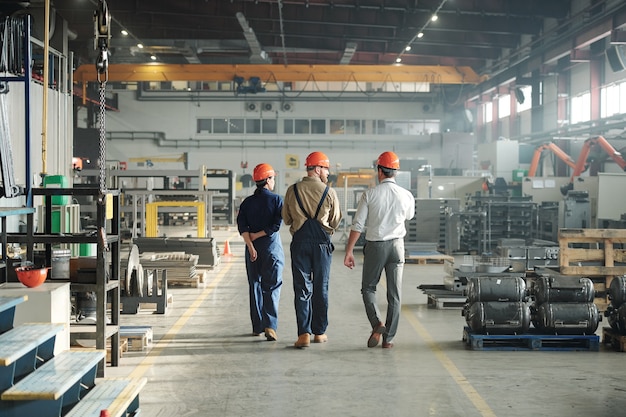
(310, 266)
(265, 278)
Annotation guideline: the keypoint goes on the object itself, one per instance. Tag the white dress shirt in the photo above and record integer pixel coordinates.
(382, 211)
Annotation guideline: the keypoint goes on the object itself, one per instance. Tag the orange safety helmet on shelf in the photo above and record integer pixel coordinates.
(262, 172)
(388, 160)
(317, 159)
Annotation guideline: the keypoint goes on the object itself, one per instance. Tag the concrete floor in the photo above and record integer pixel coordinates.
(204, 361)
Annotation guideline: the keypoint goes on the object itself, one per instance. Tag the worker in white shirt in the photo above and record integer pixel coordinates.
(381, 213)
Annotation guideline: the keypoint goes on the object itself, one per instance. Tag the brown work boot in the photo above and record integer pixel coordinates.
(304, 340)
(270, 334)
(320, 338)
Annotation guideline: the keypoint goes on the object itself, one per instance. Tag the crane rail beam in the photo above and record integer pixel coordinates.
(282, 73)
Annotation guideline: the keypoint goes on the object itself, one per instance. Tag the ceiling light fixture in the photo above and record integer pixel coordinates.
(124, 32)
(153, 57)
(140, 45)
(420, 34)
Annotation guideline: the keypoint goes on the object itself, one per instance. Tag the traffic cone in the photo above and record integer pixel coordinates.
(227, 249)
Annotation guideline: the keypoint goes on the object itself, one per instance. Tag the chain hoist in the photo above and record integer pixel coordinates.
(102, 36)
(102, 29)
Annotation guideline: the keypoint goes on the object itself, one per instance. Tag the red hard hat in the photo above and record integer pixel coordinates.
(388, 160)
(262, 172)
(317, 159)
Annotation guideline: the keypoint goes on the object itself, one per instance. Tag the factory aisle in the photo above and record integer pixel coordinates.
(205, 362)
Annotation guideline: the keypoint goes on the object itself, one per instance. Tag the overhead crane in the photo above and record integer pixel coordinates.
(283, 73)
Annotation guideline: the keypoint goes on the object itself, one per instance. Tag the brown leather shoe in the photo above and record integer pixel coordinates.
(320, 338)
(270, 334)
(304, 340)
(387, 345)
(374, 339)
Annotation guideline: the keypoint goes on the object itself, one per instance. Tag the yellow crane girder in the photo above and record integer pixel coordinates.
(283, 73)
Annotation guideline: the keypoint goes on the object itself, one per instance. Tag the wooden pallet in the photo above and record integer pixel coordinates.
(123, 348)
(530, 341)
(572, 259)
(592, 253)
(423, 258)
(615, 339)
(139, 337)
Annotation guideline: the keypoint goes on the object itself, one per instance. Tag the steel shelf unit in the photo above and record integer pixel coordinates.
(107, 271)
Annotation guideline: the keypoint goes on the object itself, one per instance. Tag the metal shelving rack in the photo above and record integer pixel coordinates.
(199, 180)
(487, 219)
(106, 287)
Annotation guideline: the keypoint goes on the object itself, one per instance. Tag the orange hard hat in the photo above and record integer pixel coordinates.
(317, 159)
(262, 172)
(388, 160)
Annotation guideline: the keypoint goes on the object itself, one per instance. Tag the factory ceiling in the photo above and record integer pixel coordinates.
(497, 39)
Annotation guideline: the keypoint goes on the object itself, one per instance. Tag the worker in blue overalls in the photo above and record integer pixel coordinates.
(313, 212)
(258, 222)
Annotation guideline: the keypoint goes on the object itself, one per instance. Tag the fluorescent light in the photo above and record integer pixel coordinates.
(434, 18)
(140, 45)
(420, 35)
(408, 48)
(153, 57)
(124, 32)
(398, 60)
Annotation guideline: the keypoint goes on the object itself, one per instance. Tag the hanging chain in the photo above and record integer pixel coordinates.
(102, 154)
(102, 29)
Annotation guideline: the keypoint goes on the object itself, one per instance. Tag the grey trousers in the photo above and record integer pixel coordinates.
(387, 255)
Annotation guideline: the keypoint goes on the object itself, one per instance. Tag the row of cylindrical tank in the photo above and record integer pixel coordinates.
(616, 311)
(552, 304)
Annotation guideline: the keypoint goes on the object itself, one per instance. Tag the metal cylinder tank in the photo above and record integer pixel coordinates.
(495, 289)
(561, 289)
(567, 318)
(617, 291)
(617, 318)
(498, 317)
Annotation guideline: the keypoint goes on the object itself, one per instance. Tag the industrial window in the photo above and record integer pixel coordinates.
(504, 106)
(220, 125)
(288, 126)
(204, 125)
(611, 101)
(236, 126)
(488, 112)
(336, 127)
(270, 126)
(253, 125)
(580, 108)
(301, 127)
(318, 126)
(353, 127)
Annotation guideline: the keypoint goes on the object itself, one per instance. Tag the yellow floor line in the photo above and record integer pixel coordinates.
(471, 393)
(162, 344)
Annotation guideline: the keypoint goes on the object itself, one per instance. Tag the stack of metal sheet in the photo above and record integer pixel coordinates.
(180, 266)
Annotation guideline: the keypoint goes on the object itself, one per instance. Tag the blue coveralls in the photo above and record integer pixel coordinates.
(262, 211)
(311, 256)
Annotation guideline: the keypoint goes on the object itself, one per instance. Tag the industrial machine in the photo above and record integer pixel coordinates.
(539, 151)
(587, 157)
